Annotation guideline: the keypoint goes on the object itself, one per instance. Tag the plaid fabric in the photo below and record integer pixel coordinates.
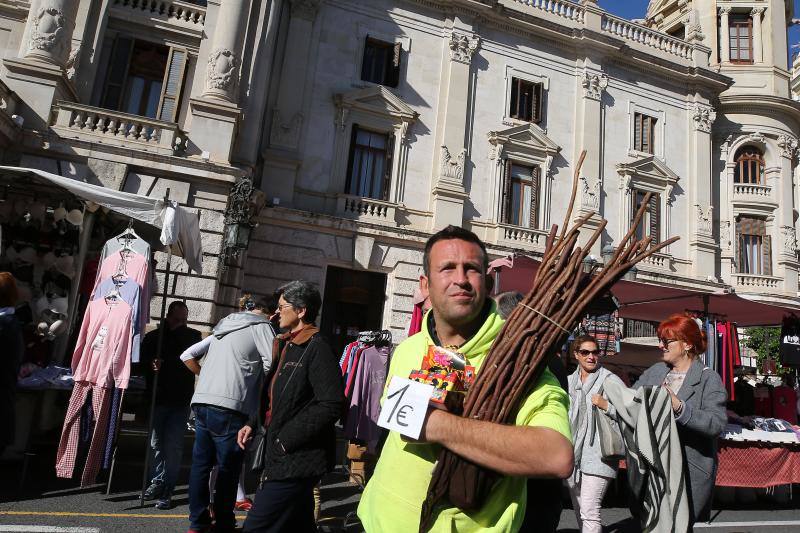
(70, 434)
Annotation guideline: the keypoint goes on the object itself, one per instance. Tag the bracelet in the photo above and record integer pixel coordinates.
(679, 410)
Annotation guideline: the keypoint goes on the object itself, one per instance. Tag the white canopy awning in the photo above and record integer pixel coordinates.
(151, 211)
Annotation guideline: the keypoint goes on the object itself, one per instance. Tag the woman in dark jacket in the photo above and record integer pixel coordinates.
(698, 403)
(305, 398)
(10, 355)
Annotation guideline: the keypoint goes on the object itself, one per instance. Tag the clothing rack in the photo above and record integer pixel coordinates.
(378, 338)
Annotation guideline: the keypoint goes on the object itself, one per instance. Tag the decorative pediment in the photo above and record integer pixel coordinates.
(377, 100)
(650, 169)
(527, 137)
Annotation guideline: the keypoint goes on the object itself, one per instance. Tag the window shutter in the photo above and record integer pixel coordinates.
(351, 158)
(172, 86)
(387, 175)
(117, 73)
(637, 132)
(766, 251)
(538, 95)
(535, 178)
(505, 212)
(634, 205)
(394, 70)
(655, 218)
(739, 248)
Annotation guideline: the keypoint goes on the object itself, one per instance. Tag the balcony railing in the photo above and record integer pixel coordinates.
(519, 237)
(752, 192)
(561, 8)
(756, 283)
(95, 125)
(646, 36)
(366, 209)
(658, 261)
(185, 14)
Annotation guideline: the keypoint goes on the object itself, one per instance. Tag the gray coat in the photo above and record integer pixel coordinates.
(702, 420)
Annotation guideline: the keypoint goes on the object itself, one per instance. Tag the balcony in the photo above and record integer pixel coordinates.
(94, 125)
(521, 238)
(749, 193)
(756, 283)
(366, 209)
(171, 14)
(658, 261)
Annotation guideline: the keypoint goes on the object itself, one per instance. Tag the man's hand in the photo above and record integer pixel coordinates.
(244, 436)
(600, 402)
(156, 364)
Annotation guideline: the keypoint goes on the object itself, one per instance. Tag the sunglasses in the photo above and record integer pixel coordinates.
(665, 342)
(588, 352)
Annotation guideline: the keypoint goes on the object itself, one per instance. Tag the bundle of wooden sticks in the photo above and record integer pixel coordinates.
(559, 297)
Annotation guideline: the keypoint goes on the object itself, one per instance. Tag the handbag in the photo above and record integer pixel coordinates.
(611, 443)
(257, 449)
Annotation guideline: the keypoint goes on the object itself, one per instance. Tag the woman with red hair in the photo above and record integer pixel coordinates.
(698, 404)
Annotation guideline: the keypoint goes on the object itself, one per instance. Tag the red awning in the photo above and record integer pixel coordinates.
(644, 301)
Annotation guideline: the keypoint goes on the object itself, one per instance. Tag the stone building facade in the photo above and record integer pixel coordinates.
(368, 125)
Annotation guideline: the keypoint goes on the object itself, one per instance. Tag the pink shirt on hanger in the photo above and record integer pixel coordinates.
(137, 268)
(103, 350)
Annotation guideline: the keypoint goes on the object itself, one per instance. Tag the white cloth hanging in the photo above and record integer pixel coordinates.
(181, 230)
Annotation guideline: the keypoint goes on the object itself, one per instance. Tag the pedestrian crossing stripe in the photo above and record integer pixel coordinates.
(100, 515)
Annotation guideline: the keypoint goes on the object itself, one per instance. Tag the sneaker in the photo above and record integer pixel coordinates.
(153, 491)
(164, 504)
(243, 505)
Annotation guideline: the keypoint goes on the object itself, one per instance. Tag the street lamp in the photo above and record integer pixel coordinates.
(243, 204)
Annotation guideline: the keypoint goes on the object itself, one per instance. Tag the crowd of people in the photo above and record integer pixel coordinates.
(265, 384)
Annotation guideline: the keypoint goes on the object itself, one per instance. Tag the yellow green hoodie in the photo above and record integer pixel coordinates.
(393, 497)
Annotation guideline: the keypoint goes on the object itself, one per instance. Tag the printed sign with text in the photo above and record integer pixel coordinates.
(405, 406)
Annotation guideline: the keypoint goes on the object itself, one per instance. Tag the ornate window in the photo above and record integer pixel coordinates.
(521, 195)
(370, 166)
(651, 222)
(753, 246)
(749, 167)
(741, 38)
(526, 100)
(644, 131)
(637, 178)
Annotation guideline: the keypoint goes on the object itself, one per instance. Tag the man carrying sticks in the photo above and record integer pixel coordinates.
(537, 445)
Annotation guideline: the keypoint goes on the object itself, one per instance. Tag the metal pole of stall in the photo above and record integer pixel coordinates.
(162, 329)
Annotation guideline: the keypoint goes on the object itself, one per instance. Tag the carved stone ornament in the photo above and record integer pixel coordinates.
(462, 47)
(756, 137)
(703, 116)
(306, 9)
(788, 145)
(668, 195)
(694, 32)
(453, 168)
(73, 62)
(757, 12)
(789, 239)
(286, 134)
(593, 84)
(590, 199)
(725, 235)
(221, 69)
(725, 10)
(704, 218)
(48, 26)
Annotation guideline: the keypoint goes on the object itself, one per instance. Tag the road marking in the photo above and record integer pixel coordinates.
(749, 524)
(50, 529)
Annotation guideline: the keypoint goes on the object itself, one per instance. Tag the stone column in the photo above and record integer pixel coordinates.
(449, 192)
(225, 58)
(49, 31)
(287, 116)
(588, 134)
(725, 34)
(785, 239)
(702, 247)
(758, 48)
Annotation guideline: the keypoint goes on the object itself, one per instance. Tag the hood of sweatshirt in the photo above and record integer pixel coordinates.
(237, 321)
(476, 348)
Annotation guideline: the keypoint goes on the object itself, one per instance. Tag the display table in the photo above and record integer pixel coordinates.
(757, 464)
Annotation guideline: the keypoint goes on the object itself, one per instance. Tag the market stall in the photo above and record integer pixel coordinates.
(61, 239)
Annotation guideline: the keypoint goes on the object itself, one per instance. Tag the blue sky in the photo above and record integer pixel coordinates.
(632, 9)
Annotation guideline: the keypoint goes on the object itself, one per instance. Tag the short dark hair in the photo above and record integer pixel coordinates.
(302, 295)
(449, 233)
(507, 301)
(268, 303)
(580, 339)
(176, 304)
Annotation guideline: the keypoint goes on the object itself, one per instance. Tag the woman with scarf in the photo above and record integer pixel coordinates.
(305, 398)
(592, 474)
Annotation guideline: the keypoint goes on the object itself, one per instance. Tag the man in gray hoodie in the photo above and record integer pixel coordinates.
(238, 354)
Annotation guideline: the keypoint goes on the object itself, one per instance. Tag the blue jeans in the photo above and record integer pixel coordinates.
(169, 427)
(215, 444)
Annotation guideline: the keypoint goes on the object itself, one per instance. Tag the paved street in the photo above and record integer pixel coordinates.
(47, 504)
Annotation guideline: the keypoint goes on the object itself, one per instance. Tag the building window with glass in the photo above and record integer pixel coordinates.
(381, 63)
(753, 246)
(521, 195)
(644, 130)
(741, 38)
(749, 167)
(526, 100)
(370, 164)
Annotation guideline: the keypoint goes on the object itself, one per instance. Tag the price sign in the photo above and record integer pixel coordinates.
(405, 406)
